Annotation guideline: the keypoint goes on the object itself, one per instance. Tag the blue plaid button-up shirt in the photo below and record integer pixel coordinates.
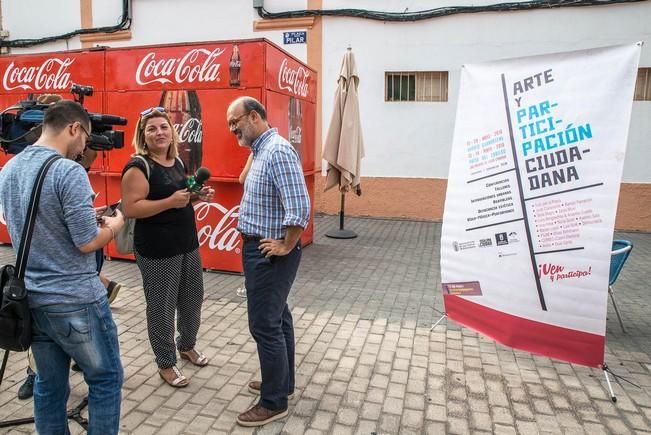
(275, 195)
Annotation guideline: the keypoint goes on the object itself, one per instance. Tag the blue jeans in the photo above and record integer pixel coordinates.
(268, 282)
(87, 334)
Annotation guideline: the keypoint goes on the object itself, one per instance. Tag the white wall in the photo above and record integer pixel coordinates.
(31, 19)
(154, 21)
(413, 139)
(168, 21)
(402, 139)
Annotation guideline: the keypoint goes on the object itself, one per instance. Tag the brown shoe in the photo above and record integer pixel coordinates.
(257, 415)
(256, 386)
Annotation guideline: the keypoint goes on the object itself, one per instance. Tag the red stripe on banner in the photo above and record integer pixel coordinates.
(536, 337)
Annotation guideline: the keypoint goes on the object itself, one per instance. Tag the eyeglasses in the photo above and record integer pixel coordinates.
(233, 122)
(81, 125)
(151, 110)
(85, 131)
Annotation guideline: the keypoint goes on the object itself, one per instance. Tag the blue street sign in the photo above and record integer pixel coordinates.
(295, 37)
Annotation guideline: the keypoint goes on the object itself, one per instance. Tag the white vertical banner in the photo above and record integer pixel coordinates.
(537, 158)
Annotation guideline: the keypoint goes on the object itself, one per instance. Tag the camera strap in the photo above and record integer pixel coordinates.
(30, 218)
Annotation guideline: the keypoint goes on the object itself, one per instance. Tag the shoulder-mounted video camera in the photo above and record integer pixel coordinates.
(21, 124)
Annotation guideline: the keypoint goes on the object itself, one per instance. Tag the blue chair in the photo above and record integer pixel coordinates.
(618, 256)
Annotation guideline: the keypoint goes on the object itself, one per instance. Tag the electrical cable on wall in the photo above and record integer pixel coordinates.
(124, 24)
(434, 13)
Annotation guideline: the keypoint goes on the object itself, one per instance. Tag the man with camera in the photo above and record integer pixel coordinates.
(86, 159)
(70, 312)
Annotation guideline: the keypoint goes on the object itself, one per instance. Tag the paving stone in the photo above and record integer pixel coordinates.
(366, 361)
(412, 418)
(347, 416)
(390, 423)
(322, 420)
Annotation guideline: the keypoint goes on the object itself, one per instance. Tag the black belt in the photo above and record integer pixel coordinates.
(250, 238)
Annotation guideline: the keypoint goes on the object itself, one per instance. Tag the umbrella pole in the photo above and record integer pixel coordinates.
(341, 233)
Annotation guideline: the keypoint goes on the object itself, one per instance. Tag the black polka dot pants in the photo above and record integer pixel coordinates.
(173, 287)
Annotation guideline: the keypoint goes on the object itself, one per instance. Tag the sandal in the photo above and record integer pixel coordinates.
(179, 381)
(196, 358)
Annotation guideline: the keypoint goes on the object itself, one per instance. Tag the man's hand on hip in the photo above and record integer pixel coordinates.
(272, 247)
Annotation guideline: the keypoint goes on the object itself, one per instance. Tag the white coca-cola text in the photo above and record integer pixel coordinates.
(293, 80)
(224, 235)
(198, 65)
(190, 131)
(51, 74)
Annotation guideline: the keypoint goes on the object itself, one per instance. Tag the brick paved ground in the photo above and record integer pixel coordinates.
(367, 362)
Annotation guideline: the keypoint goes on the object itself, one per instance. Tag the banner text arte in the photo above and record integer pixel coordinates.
(549, 150)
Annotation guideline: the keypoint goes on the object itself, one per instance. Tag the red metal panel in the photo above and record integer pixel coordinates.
(52, 72)
(202, 127)
(221, 153)
(289, 76)
(128, 105)
(220, 242)
(197, 66)
(294, 118)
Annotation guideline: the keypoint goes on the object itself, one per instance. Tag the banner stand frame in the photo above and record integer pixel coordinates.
(444, 316)
(605, 368)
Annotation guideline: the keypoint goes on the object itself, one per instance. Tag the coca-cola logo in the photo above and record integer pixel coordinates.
(293, 80)
(198, 65)
(190, 131)
(51, 74)
(224, 235)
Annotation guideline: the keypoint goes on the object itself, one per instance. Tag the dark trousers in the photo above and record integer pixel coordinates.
(268, 282)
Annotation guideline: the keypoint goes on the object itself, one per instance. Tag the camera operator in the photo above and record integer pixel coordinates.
(89, 155)
(70, 312)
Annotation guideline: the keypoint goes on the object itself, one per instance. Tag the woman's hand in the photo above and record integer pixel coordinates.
(179, 199)
(206, 194)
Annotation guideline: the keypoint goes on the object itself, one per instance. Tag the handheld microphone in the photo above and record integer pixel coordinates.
(195, 182)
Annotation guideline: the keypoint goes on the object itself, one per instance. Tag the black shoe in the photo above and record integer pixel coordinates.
(27, 389)
(112, 291)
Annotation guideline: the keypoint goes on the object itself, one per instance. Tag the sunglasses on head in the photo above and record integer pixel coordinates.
(151, 110)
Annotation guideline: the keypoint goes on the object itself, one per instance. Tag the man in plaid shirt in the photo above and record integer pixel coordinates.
(274, 211)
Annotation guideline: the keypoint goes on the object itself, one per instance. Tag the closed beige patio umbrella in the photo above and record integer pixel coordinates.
(344, 146)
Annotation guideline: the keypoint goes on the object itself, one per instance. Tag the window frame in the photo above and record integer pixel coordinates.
(646, 91)
(421, 78)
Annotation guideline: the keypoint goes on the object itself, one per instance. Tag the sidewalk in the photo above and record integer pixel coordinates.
(366, 360)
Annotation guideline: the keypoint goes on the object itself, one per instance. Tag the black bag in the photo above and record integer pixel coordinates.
(15, 318)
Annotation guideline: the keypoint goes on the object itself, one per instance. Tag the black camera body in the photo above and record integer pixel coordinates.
(20, 125)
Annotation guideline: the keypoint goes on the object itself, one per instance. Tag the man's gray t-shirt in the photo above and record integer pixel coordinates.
(57, 271)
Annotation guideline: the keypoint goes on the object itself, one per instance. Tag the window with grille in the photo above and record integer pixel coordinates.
(643, 85)
(416, 86)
